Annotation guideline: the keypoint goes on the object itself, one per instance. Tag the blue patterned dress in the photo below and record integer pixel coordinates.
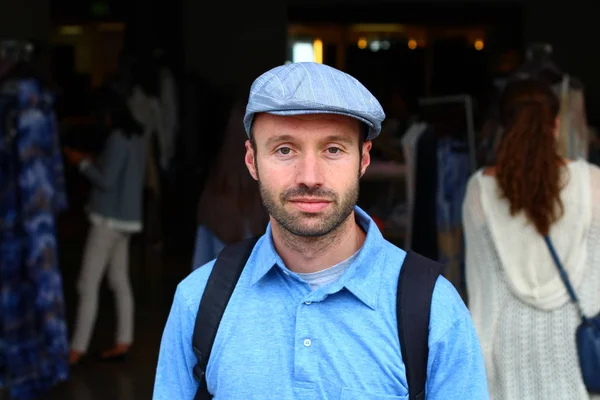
(33, 332)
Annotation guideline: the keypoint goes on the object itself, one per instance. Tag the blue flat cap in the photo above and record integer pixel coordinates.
(311, 88)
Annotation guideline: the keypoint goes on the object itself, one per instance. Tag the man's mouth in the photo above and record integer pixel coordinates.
(310, 205)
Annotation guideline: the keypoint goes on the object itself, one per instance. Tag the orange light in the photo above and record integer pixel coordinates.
(70, 30)
(479, 45)
(318, 51)
(362, 43)
(412, 44)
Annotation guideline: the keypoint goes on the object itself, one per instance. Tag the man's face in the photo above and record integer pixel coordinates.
(308, 169)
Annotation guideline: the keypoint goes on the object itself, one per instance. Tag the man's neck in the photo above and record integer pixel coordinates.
(313, 254)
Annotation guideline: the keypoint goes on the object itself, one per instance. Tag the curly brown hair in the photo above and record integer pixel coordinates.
(528, 169)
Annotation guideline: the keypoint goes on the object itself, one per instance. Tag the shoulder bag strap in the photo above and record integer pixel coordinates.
(219, 288)
(565, 277)
(415, 290)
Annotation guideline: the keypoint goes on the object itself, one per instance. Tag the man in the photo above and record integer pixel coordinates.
(313, 315)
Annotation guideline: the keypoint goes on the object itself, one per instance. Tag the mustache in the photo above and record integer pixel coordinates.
(305, 191)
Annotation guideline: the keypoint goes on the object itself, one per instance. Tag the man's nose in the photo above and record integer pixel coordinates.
(310, 171)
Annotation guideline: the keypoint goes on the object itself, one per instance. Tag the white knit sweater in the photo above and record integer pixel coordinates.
(522, 313)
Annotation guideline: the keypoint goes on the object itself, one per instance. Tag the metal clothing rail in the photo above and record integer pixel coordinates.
(16, 50)
(467, 100)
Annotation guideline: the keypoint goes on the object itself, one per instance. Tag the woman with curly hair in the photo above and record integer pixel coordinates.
(522, 311)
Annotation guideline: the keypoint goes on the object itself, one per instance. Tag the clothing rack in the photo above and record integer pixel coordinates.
(16, 50)
(12, 53)
(467, 100)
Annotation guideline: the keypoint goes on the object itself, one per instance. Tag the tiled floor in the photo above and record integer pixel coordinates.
(130, 380)
(154, 280)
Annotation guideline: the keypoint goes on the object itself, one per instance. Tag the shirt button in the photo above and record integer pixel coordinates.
(308, 303)
(307, 342)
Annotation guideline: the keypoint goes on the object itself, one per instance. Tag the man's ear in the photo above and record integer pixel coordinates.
(250, 160)
(366, 156)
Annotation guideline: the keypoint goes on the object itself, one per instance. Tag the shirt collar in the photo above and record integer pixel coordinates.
(266, 256)
(363, 277)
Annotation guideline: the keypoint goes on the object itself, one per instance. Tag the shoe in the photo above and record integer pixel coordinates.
(119, 353)
(75, 357)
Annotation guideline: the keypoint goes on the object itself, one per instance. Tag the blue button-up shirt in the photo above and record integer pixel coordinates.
(279, 339)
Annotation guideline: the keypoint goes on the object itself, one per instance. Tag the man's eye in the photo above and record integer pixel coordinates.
(284, 151)
(333, 150)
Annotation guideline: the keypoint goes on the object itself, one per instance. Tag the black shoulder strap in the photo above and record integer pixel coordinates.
(415, 289)
(219, 288)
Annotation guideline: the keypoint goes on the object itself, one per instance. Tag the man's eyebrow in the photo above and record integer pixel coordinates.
(290, 138)
(339, 138)
(278, 139)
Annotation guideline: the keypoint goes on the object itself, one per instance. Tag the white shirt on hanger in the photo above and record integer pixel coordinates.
(409, 148)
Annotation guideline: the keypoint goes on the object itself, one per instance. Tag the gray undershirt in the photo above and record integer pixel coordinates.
(326, 276)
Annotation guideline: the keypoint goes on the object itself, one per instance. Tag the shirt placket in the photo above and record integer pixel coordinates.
(307, 341)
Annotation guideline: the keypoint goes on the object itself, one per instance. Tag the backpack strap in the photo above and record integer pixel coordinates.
(415, 289)
(219, 288)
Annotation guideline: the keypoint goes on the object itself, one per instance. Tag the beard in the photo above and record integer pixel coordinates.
(306, 224)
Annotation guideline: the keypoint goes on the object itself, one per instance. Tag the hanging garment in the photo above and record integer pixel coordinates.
(170, 110)
(453, 175)
(147, 111)
(409, 148)
(574, 138)
(33, 331)
(424, 229)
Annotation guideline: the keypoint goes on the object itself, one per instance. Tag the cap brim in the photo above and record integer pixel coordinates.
(307, 112)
